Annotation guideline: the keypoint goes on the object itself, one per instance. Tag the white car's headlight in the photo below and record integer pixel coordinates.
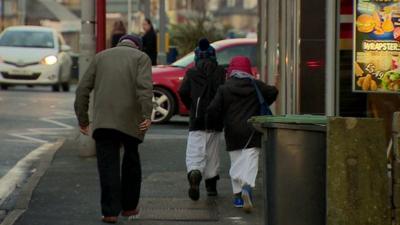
(49, 60)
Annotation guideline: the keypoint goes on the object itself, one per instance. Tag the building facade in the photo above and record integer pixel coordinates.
(239, 15)
(308, 54)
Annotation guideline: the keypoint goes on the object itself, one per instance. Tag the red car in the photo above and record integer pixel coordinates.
(167, 78)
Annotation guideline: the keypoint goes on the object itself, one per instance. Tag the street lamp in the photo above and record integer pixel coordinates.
(129, 16)
(100, 25)
(22, 11)
(2, 14)
(146, 8)
(162, 30)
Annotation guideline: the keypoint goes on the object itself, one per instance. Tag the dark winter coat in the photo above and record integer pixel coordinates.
(197, 90)
(149, 40)
(235, 102)
(115, 39)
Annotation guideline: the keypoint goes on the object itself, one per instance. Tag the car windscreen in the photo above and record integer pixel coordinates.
(184, 61)
(27, 39)
(187, 59)
(225, 55)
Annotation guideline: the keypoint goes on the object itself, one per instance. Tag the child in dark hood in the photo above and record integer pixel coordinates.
(197, 91)
(235, 102)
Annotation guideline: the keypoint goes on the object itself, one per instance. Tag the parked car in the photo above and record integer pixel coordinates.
(33, 55)
(167, 78)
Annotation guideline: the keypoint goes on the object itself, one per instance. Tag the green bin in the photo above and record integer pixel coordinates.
(294, 168)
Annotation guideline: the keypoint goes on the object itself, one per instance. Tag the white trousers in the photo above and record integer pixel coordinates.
(244, 168)
(202, 152)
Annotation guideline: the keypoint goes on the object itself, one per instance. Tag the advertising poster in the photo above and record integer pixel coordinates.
(376, 46)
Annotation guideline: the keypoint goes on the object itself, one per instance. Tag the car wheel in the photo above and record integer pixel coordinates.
(163, 105)
(55, 87)
(4, 87)
(65, 86)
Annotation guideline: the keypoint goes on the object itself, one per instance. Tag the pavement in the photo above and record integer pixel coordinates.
(64, 189)
(29, 118)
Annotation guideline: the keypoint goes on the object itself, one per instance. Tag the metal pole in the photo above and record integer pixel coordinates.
(262, 40)
(22, 9)
(296, 56)
(147, 8)
(87, 37)
(337, 103)
(2, 15)
(288, 53)
(129, 17)
(162, 57)
(100, 25)
(282, 47)
(330, 70)
(87, 44)
(273, 52)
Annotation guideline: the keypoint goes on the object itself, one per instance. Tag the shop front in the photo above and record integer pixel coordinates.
(324, 65)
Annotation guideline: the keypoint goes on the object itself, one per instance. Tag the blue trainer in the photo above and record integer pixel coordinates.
(247, 197)
(238, 202)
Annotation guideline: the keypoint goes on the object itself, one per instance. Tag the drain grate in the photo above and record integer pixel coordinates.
(169, 209)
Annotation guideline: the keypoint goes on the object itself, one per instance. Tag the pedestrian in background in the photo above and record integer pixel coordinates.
(235, 102)
(150, 41)
(117, 32)
(197, 90)
(120, 78)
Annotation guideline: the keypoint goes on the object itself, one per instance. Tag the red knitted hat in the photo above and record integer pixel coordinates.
(240, 63)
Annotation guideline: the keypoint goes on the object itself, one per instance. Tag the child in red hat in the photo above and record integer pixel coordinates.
(235, 102)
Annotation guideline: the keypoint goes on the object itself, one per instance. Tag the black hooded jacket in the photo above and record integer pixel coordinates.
(198, 89)
(235, 102)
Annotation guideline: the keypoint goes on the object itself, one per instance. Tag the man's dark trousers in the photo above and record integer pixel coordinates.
(119, 191)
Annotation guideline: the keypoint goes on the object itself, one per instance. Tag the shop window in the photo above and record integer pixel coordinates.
(346, 6)
(312, 56)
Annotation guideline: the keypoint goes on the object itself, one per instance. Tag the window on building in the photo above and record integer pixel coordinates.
(230, 3)
(249, 4)
(213, 5)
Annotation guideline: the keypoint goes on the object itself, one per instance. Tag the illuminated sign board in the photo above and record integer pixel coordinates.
(376, 50)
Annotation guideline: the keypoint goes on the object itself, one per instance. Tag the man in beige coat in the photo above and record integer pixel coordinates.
(120, 79)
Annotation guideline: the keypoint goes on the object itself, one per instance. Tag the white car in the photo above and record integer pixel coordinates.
(32, 55)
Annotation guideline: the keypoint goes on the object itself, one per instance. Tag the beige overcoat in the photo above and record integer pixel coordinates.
(120, 79)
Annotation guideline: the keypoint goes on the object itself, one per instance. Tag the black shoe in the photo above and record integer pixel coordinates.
(194, 178)
(211, 186)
